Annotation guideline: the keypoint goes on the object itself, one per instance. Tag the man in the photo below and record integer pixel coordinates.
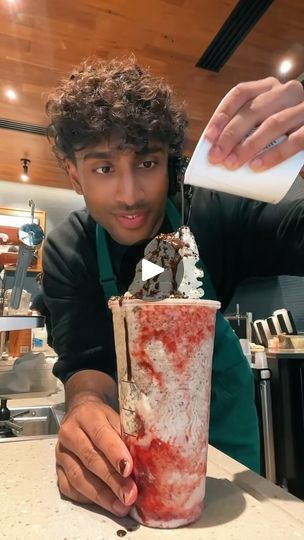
(117, 131)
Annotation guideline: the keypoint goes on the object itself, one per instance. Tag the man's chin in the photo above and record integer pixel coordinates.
(139, 235)
(131, 239)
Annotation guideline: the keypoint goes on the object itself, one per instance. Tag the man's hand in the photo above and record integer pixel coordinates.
(277, 109)
(93, 463)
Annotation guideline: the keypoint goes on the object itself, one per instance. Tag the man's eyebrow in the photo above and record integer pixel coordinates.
(108, 155)
(97, 155)
(149, 150)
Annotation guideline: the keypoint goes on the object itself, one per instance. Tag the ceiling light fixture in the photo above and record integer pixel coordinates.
(285, 66)
(25, 166)
(11, 94)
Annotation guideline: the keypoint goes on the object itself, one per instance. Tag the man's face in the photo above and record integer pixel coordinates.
(125, 191)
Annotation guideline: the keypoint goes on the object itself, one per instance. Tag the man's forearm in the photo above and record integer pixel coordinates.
(90, 384)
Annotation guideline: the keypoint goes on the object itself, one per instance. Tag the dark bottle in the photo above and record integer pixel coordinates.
(5, 413)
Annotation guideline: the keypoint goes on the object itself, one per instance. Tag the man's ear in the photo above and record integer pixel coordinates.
(73, 175)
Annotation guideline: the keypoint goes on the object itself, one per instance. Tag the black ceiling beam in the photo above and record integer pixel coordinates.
(242, 19)
(21, 126)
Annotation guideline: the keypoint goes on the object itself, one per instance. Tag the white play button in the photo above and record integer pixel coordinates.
(149, 270)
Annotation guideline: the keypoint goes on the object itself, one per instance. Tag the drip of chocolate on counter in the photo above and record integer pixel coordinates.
(129, 362)
(121, 533)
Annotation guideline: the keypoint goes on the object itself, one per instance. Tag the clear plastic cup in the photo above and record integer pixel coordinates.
(164, 357)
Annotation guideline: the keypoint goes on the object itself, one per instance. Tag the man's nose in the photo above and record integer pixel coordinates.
(129, 190)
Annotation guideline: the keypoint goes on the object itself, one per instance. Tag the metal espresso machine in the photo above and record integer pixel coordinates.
(30, 236)
(246, 331)
(277, 363)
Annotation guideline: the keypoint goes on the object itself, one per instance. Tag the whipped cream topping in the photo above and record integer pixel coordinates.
(178, 254)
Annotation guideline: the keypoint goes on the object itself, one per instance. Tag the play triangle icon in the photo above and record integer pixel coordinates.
(149, 270)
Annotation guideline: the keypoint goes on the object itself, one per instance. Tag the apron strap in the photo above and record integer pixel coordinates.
(172, 214)
(107, 278)
(174, 218)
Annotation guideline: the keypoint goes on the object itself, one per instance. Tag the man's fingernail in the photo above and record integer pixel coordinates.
(122, 466)
(231, 160)
(120, 508)
(212, 134)
(124, 497)
(256, 163)
(215, 154)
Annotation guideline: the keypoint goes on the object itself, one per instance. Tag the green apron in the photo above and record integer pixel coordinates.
(233, 418)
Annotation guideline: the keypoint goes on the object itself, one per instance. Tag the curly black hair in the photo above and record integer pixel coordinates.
(117, 97)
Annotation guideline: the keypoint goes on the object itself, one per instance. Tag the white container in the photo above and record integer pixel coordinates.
(30, 373)
(268, 186)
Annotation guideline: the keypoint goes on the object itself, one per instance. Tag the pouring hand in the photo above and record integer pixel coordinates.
(275, 109)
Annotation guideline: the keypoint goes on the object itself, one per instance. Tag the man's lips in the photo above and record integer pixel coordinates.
(132, 220)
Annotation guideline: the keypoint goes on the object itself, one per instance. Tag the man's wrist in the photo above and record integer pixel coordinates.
(85, 396)
(91, 385)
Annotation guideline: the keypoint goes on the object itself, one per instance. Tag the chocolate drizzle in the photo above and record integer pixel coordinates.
(174, 266)
(129, 362)
(167, 260)
(169, 251)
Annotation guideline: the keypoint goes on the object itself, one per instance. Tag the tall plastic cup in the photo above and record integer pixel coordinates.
(164, 357)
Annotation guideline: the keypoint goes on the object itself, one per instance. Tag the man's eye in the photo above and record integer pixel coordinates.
(105, 169)
(149, 164)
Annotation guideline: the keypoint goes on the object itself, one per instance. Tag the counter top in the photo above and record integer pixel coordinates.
(20, 322)
(286, 354)
(239, 504)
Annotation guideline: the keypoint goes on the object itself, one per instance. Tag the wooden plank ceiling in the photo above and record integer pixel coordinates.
(41, 40)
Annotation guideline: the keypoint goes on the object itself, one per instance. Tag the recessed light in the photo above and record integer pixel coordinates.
(11, 94)
(11, 1)
(285, 66)
(25, 166)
